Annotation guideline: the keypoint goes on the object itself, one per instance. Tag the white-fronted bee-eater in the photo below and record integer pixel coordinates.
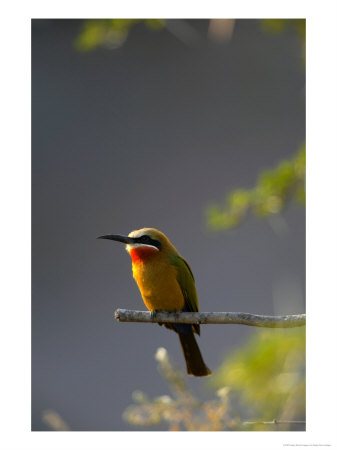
(166, 283)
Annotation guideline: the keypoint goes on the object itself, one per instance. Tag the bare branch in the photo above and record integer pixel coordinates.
(277, 422)
(254, 320)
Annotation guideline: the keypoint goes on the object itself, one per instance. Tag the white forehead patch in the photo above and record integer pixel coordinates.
(137, 233)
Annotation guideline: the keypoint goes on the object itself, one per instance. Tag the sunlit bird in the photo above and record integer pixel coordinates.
(166, 283)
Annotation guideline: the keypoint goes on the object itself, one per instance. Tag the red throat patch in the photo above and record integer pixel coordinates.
(142, 253)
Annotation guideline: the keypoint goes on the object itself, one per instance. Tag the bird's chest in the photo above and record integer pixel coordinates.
(157, 282)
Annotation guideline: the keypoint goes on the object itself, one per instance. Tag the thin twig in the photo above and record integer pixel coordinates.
(277, 422)
(254, 320)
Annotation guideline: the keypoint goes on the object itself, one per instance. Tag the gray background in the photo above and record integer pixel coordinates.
(149, 135)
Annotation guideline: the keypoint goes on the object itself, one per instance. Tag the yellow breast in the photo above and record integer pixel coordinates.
(157, 282)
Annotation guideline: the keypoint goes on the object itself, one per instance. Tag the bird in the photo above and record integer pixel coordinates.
(166, 283)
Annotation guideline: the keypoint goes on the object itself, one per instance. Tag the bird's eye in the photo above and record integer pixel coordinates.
(145, 238)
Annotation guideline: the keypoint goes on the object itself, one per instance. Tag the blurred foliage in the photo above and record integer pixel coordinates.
(110, 33)
(264, 380)
(274, 189)
(54, 421)
(279, 25)
(276, 26)
(267, 376)
(183, 410)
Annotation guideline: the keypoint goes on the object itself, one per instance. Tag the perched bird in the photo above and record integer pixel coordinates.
(166, 283)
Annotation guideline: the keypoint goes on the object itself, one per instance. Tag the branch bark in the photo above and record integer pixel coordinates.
(277, 422)
(240, 318)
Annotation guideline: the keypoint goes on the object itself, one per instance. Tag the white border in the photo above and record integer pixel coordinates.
(15, 224)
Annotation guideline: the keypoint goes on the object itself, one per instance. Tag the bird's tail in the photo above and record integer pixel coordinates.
(194, 363)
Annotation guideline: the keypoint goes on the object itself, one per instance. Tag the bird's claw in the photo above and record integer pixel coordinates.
(153, 314)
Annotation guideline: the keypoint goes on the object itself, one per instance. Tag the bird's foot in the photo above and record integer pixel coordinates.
(154, 316)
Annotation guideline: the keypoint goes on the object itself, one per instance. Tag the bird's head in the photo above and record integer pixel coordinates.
(143, 243)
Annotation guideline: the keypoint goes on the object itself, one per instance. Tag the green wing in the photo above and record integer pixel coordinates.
(185, 279)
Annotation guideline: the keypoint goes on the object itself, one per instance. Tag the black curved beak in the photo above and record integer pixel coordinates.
(117, 237)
